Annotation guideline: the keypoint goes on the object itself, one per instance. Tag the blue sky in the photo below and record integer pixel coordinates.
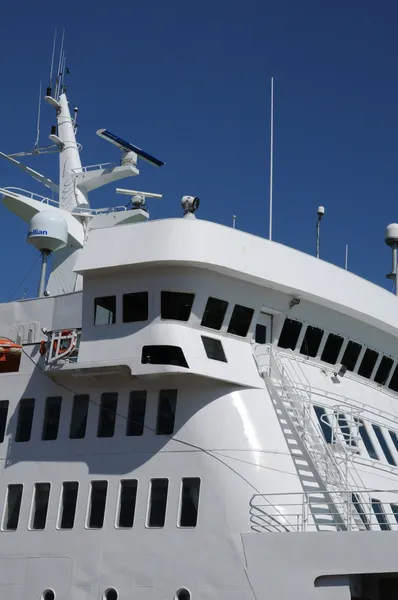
(189, 82)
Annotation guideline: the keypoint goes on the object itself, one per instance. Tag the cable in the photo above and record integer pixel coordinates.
(26, 276)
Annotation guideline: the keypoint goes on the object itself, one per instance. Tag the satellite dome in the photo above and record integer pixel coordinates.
(392, 234)
(48, 231)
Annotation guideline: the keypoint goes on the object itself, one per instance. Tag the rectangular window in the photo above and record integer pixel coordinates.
(13, 507)
(105, 310)
(97, 504)
(128, 497)
(380, 514)
(78, 421)
(189, 502)
(136, 414)
(163, 355)
(384, 445)
(350, 355)
(158, 502)
(176, 305)
(3, 418)
(68, 504)
(290, 334)
(324, 423)
(394, 508)
(107, 417)
(360, 511)
(332, 348)
(240, 320)
(25, 419)
(135, 307)
(383, 370)
(214, 349)
(312, 340)
(393, 385)
(367, 441)
(52, 414)
(40, 505)
(367, 363)
(394, 438)
(345, 429)
(214, 314)
(260, 336)
(166, 412)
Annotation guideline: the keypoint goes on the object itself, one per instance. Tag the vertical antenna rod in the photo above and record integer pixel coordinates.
(38, 121)
(233, 221)
(346, 257)
(271, 167)
(321, 212)
(50, 85)
(61, 54)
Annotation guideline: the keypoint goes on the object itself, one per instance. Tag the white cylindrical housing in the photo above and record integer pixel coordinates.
(321, 211)
(48, 231)
(391, 237)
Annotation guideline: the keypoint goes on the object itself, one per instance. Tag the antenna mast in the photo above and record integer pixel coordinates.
(321, 212)
(50, 85)
(36, 146)
(271, 167)
(59, 73)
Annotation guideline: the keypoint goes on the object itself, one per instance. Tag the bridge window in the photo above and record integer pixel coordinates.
(3, 418)
(40, 505)
(13, 507)
(158, 502)
(68, 504)
(394, 508)
(350, 355)
(97, 504)
(368, 362)
(128, 496)
(360, 511)
(393, 385)
(363, 432)
(332, 348)
(107, 417)
(25, 419)
(324, 423)
(345, 429)
(311, 342)
(166, 412)
(240, 320)
(214, 349)
(383, 444)
(51, 418)
(176, 305)
(394, 438)
(383, 370)
(380, 514)
(136, 413)
(135, 307)
(214, 314)
(163, 355)
(260, 336)
(78, 422)
(290, 334)
(189, 502)
(105, 310)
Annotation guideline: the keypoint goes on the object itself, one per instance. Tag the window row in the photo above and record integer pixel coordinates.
(353, 356)
(174, 306)
(96, 506)
(108, 411)
(376, 506)
(174, 355)
(350, 436)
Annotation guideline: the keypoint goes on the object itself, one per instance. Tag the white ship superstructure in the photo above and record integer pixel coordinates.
(188, 411)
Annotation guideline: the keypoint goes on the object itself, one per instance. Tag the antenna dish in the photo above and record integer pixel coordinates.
(48, 231)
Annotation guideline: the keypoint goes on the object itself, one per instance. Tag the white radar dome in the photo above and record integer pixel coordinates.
(392, 234)
(48, 231)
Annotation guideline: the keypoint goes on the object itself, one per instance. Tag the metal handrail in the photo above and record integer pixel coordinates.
(32, 195)
(107, 165)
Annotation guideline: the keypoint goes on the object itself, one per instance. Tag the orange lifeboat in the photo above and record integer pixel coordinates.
(10, 356)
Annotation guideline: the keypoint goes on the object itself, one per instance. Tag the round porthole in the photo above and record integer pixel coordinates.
(183, 594)
(110, 594)
(48, 595)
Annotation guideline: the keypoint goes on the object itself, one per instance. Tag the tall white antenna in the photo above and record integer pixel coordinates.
(50, 85)
(271, 167)
(61, 54)
(38, 120)
(320, 212)
(233, 221)
(346, 257)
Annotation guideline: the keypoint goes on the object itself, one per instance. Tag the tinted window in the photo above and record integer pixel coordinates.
(311, 341)
(393, 385)
(214, 349)
(163, 355)
(289, 334)
(350, 355)
(214, 314)
(332, 348)
(380, 514)
(128, 496)
(25, 419)
(176, 305)
(383, 444)
(260, 336)
(368, 362)
(136, 414)
(97, 504)
(51, 418)
(3, 418)
(78, 422)
(383, 370)
(367, 441)
(107, 417)
(345, 429)
(40, 505)
(68, 504)
(105, 310)
(324, 423)
(166, 412)
(158, 502)
(360, 511)
(13, 507)
(135, 307)
(189, 502)
(240, 320)
(394, 438)
(394, 508)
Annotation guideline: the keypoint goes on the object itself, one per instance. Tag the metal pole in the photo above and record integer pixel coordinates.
(233, 221)
(318, 235)
(271, 167)
(346, 257)
(42, 283)
(394, 266)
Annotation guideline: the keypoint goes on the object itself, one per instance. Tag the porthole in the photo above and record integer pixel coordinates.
(48, 595)
(110, 594)
(183, 594)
